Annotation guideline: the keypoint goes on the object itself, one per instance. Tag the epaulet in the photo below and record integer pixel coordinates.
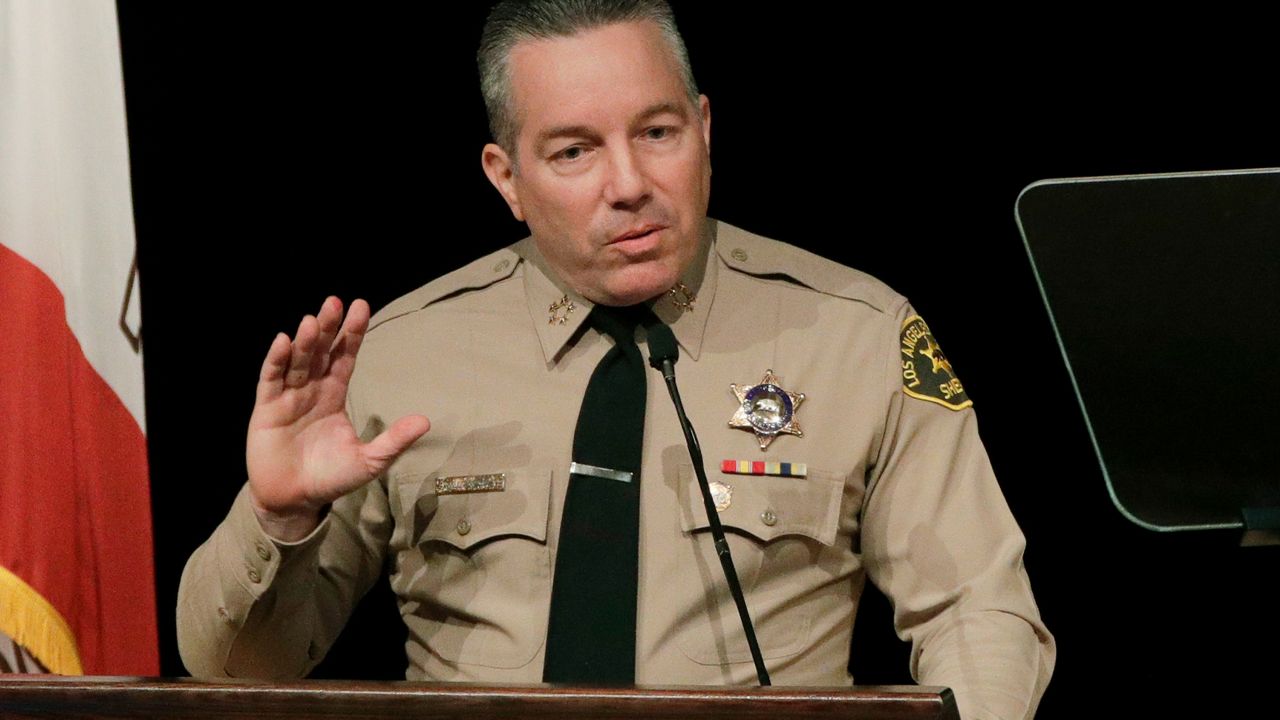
(755, 255)
(476, 275)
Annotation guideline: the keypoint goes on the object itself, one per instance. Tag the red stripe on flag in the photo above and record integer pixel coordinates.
(75, 521)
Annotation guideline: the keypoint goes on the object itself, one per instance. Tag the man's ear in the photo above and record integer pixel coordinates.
(704, 108)
(500, 170)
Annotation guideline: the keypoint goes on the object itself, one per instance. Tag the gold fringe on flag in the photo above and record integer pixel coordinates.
(33, 623)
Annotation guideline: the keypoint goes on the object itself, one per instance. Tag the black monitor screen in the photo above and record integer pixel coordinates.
(1165, 295)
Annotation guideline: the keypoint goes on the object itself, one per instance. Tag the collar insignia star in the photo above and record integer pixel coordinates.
(682, 297)
(766, 409)
(560, 310)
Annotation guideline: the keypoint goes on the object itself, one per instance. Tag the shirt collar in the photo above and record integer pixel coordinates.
(543, 289)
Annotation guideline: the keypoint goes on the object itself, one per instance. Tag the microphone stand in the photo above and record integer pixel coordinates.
(663, 354)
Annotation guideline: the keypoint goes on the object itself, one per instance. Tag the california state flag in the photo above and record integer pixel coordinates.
(76, 579)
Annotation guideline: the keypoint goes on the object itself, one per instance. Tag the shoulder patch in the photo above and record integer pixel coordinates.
(926, 372)
(475, 275)
(756, 255)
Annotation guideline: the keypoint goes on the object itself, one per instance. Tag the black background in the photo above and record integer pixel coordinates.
(284, 154)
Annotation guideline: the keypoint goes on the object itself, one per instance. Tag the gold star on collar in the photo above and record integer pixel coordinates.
(560, 310)
(682, 297)
(766, 409)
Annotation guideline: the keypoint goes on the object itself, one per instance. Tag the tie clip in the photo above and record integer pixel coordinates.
(577, 468)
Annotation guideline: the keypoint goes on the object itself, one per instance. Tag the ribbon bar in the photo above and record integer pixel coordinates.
(760, 467)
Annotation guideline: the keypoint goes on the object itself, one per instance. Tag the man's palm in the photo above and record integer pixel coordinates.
(302, 452)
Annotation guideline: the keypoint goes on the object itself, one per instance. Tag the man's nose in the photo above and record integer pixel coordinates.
(628, 182)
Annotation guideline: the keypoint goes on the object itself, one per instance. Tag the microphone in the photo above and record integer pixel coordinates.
(663, 354)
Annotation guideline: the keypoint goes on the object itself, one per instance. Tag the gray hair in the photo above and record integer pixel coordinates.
(513, 21)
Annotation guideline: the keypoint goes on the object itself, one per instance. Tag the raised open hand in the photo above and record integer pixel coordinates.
(301, 451)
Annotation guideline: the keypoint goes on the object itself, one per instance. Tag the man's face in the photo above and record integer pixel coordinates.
(614, 170)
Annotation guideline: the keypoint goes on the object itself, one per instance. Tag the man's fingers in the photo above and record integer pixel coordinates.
(328, 320)
(380, 451)
(273, 368)
(342, 356)
(357, 320)
(304, 345)
(323, 339)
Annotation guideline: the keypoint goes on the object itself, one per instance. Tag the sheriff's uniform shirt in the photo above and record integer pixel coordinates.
(878, 472)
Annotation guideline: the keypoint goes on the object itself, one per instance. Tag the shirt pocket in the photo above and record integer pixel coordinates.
(477, 582)
(777, 529)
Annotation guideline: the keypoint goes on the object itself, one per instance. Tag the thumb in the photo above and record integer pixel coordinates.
(387, 446)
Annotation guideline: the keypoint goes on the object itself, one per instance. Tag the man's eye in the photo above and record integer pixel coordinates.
(657, 133)
(571, 153)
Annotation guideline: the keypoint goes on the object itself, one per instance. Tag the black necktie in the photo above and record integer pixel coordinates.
(591, 631)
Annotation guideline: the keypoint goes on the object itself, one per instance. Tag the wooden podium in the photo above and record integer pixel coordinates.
(45, 696)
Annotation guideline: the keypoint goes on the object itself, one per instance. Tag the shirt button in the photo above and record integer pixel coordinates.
(464, 527)
(739, 254)
(263, 552)
(501, 265)
(769, 517)
(254, 577)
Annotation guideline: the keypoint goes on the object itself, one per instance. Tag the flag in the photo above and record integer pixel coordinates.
(77, 589)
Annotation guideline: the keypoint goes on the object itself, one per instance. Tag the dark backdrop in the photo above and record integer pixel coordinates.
(280, 155)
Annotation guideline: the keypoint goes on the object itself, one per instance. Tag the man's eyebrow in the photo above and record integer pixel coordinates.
(664, 108)
(583, 131)
(564, 131)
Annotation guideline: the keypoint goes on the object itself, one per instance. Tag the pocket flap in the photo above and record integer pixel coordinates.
(466, 519)
(768, 507)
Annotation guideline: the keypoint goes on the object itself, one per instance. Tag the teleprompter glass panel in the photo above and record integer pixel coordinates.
(1165, 296)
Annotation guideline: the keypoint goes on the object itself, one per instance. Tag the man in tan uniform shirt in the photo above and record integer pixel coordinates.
(877, 470)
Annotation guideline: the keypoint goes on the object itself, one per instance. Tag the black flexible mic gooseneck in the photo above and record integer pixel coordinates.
(663, 354)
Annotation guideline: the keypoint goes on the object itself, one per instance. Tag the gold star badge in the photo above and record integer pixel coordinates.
(766, 409)
(560, 311)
